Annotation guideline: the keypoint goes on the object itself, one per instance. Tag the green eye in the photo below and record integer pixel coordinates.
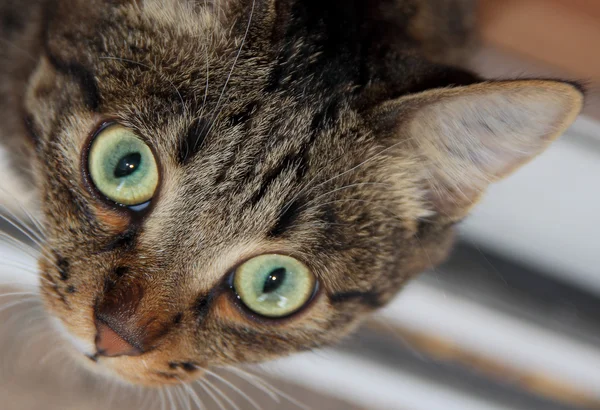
(122, 166)
(274, 285)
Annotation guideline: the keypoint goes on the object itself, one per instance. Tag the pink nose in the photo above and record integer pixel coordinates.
(109, 343)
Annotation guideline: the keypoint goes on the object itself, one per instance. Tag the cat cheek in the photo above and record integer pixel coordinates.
(226, 311)
(114, 221)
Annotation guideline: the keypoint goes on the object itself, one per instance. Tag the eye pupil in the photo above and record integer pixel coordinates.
(274, 280)
(128, 164)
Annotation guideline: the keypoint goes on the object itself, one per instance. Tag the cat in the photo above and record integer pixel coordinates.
(231, 181)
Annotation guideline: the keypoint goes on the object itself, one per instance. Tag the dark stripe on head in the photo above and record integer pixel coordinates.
(326, 117)
(192, 140)
(84, 77)
(230, 161)
(287, 217)
(289, 161)
(243, 118)
(245, 115)
(369, 298)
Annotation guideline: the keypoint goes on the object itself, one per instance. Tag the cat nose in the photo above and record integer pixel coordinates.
(127, 320)
(111, 344)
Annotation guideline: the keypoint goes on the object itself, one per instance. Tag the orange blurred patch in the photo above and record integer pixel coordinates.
(114, 220)
(225, 310)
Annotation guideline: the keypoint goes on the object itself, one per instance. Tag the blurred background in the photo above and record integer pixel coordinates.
(511, 321)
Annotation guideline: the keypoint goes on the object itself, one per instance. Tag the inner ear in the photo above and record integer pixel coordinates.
(468, 137)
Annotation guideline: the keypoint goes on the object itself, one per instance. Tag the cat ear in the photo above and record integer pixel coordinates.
(468, 137)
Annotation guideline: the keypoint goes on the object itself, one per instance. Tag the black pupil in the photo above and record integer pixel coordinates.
(274, 280)
(128, 165)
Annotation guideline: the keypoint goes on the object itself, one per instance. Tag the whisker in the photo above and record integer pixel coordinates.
(139, 397)
(183, 398)
(30, 328)
(208, 386)
(193, 395)
(24, 269)
(207, 77)
(235, 388)
(276, 390)
(217, 111)
(161, 394)
(16, 318)
(10, 305)
(250, 379)
(23, 208)
(170, 398)
(345, 187)
(21, 352)
(4, 295)
(155, 69)
(111, 393)
(20, 226)
(18, 245)
(52, 352)
(225, 397)
(202, 386)
(21, 285)
(19, 49)
(307, 188)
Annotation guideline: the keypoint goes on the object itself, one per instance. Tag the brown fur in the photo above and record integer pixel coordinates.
(319, 140)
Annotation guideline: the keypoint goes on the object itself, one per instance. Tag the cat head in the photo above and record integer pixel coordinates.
(229, 182)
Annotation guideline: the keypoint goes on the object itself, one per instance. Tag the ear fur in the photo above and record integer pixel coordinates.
(468, 137)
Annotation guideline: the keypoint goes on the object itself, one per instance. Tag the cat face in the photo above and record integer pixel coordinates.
(231, 182)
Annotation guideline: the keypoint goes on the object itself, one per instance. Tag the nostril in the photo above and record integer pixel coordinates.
(109, 343)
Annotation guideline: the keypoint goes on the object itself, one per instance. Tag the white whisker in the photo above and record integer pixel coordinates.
(19, 49)
(235, 388)
(343, 188)
(250, 379)
(217, 111)
(224, 396)
(194, 396)
(154, 69)
(307, 188)
(6, 307)
(19, 245)
(207, 389)
(276, 390)
(4, 295)
(207, 77)
(171, 400)
(161, 394)
(27, 213)
(52, 352)
(21, 227)
(185, 399)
